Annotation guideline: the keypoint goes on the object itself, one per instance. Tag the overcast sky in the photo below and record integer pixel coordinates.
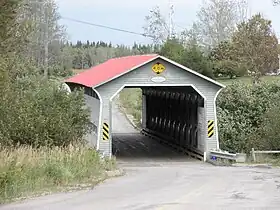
(130, 14)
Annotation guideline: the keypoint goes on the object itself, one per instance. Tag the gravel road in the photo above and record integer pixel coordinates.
(158, 178)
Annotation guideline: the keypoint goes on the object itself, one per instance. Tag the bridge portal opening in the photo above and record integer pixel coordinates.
(178, 107)
(168, 124)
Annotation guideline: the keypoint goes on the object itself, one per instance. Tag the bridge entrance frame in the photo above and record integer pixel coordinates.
(137, 71)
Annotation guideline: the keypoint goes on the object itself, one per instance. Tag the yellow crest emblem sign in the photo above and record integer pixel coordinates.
(158, 68)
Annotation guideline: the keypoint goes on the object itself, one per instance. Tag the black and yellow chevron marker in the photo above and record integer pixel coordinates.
(105, 132)
(210, 128)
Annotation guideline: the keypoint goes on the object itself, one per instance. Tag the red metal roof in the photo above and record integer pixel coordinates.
(109, 70)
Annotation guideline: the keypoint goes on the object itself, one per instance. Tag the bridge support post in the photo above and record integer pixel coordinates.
(201, 128)
(105, 130)
(211, 125)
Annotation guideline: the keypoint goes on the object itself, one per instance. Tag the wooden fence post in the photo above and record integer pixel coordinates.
(253, 155)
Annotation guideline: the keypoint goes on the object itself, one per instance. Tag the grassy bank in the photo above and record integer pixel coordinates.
(131, 101)
(27, 172)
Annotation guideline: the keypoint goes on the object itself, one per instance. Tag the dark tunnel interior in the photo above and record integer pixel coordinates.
(171, 115)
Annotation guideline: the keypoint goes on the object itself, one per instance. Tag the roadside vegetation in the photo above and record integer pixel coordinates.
(26, 171)
(42, 127)
(42, 148)
(248, 117)
(248, 108)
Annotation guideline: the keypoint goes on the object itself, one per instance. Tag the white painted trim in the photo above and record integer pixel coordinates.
(167, 60)
(216, 120)
(110, 120)
(204, 136)
(192, 71)
(158, 85)
(66, 87)
(100, 119)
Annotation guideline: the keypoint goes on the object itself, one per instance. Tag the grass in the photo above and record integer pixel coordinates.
(26, 172)
(227, 81)
(272, 159)
(131, 101)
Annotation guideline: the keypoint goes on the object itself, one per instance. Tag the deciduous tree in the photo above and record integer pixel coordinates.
(217, 20)
(156, 26)
(225, 62)
(48, 36)
(256, 46)
(190, 56)
(276, 2)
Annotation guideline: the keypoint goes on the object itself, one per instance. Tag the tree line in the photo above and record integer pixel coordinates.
(251, 50)
(34, 47)
(34, 109)
(223, 42)
(88, 54)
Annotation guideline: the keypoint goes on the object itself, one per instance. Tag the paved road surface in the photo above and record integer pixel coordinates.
(120, 123)
(159, 179)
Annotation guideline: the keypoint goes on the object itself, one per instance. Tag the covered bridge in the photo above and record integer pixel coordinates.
(179, 104)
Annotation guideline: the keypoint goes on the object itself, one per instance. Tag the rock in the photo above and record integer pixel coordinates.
(115, 173)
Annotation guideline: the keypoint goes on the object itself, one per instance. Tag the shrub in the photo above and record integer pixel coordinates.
(241, 109)
(39, 113)
(267, 137)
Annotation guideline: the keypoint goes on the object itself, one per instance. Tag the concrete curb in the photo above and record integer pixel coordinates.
(265, 166)
(240, 165)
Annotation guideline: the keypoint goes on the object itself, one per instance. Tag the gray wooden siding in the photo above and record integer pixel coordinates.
(94, 105)
(173, 75)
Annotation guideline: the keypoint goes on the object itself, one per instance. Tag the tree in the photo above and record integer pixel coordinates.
(173, 50)
(224, 62)
(256, 46)
(192, 36)
(217, 21)
(8, 24)
(156, 26)
(191, 56)
(47, 36)
(276, 2)
(13, 31)
(195, 59)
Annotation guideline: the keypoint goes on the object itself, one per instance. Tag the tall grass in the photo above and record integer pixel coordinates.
(25, 171)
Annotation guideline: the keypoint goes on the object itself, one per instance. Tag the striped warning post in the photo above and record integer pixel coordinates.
(105, 131)
(210, 128)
